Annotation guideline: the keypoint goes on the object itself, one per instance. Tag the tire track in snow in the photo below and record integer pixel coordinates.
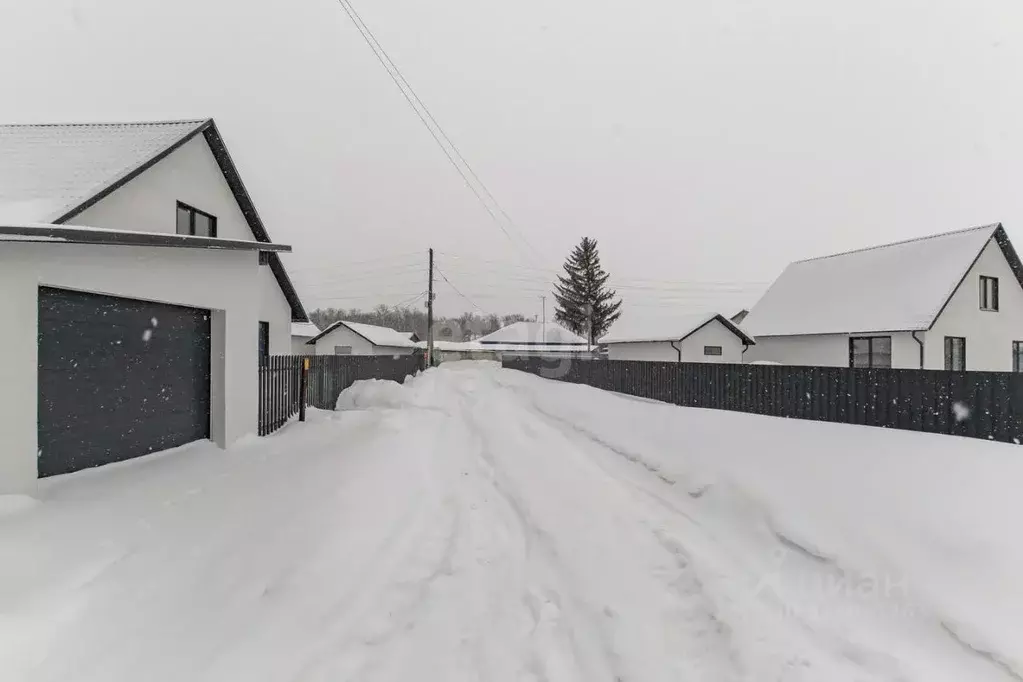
(700, 638)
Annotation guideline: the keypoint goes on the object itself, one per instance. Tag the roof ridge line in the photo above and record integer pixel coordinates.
(107, 124)
(992, 226)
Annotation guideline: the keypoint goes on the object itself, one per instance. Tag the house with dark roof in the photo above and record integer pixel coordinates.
(951, 301)
(140, 288)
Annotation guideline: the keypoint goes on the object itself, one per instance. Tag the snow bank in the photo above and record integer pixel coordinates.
(366, 394)
(920, 530)
(15, 504)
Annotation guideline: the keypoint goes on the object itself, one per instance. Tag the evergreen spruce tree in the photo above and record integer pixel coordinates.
(585, 304)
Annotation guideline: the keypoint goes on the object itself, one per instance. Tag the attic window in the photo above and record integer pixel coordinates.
(988, 293)
(192, 221)
(712, 350)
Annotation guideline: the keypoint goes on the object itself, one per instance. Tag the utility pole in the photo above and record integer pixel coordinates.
(429, 316)
(543, 303)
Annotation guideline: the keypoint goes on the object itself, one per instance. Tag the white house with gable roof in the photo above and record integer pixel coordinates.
(686, 338)
(950, 301)
(354, 338)
(139, 287)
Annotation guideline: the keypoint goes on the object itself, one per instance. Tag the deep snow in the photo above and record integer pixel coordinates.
(482, 524)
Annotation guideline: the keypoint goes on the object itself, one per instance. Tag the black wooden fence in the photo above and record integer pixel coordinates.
(985, 405)
(280, 381)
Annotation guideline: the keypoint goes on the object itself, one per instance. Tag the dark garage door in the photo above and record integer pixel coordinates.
(118, 378)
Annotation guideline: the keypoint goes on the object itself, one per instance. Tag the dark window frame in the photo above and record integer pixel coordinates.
(337, 350)
(870, 351)
(991, 305)
(714, 351)
(1017, 356)
(192, 213)
(950, 358)
(264, 340)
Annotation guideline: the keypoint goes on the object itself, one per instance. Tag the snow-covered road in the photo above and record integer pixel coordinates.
(482, 524)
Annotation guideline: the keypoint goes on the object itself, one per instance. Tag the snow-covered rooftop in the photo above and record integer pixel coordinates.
(48, 170)
(894, 287)
(533, 333)
(667, 328)
(476, 346)
(304, 329)
(378, 336)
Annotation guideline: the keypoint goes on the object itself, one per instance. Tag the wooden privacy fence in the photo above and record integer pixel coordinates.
(985, 405)
(282, 385)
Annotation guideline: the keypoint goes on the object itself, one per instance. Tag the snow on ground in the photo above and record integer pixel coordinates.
(483, 524)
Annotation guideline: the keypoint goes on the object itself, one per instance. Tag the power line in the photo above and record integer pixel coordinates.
(399, 79)
(456, 290)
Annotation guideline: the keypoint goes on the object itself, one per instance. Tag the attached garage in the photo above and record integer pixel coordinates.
(118, 378)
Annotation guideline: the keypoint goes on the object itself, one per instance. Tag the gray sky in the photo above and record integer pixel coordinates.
(704, 144)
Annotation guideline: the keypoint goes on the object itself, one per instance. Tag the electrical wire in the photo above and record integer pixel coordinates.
(412, 98)
(457, 291)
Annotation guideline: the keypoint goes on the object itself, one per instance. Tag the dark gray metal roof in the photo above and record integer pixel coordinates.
(70, 234)
(107, 156)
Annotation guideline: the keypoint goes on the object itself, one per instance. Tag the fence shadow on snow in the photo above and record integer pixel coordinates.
(986, 405)
(280, 381)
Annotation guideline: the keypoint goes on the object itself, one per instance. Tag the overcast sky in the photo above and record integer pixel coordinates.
(705, 144)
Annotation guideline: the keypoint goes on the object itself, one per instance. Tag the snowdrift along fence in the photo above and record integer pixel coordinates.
(280, 381)
(985, 405)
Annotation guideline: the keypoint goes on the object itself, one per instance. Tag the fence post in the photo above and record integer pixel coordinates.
(303, 383)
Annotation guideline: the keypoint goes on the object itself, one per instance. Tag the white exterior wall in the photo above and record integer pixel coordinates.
(989, 335)
(712, 334)
(300, 347)
(343, 336)
(648, 351)
(829, 350)
(225, 282)
(148, 203)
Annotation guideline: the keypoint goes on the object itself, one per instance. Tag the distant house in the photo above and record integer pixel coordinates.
(140, 287)
(526, 334)
(354, 338)
(949, 301)
(692, 338)
(301, 333)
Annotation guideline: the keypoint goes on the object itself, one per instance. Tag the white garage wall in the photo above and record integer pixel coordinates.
(226, 282)
(190, 174)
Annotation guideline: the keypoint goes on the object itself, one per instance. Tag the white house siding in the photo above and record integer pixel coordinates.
(224, 282)
(712, 334)
(829, 350)
(649, 351)
(989, 335)
(299, 346)
(343, 336)
(148, 203)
